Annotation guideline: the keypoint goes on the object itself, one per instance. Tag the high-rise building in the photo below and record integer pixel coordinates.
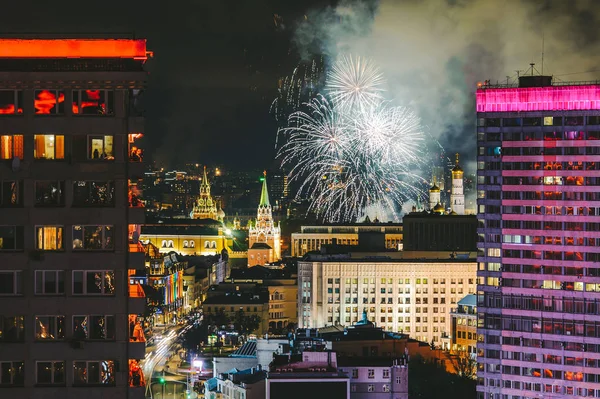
(69, 324)
(538, 205)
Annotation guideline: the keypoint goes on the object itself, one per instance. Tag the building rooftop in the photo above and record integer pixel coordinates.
(365, 361)
(183, 230)
(260, 245)
(259, 273)
(73, 48)
(246, 350)
(240, 298)
(469, 300)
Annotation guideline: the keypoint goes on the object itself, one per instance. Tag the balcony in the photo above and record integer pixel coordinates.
(137, 255)
(137, 299)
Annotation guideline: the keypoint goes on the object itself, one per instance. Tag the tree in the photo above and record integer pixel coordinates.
(218, 319)
(429, 379)
(245, 324)
(465, 364)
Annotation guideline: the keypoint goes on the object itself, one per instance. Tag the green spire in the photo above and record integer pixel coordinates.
(264, 194)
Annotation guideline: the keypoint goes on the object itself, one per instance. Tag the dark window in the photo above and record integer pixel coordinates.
(11, 238)
(532, 121)
(11, 283)
(12, 328)
(93, 193)
(593, 120)
(573, 120)
(93, 102)
(511, 122)
(92, 237)
(48, 373)
(11, 193)
(11, 102)
(49, 193)
(492, 122)
(12, 374)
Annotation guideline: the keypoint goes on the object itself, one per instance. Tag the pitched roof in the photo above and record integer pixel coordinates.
(260, 245)
(264, 194)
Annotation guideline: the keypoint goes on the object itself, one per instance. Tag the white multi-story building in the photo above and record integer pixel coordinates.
(412, 296)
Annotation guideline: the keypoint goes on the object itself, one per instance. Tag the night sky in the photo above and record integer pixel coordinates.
(214, 74)
(217, 63)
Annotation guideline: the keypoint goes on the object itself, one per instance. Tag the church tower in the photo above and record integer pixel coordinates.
(263, 236)
(434, 195)
(457, 196)
(205, 207)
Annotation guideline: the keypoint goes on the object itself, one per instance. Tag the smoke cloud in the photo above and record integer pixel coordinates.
(433, 52)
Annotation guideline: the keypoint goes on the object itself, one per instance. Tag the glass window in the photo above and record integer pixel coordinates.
(11, 146)
(12, 373)
(49, 282)
(93, 102)
(93, 193)
(49, 238)
(49, 193)
(94, 327)
(11, 193)
(50, 373)
(11, 238)
(11, 282)
(94, 372)
(90, 282)
(12, 328)
(49, 328)
(49, 102)
(93, 238)
(48, 146)
(11, 102)
(100, 147)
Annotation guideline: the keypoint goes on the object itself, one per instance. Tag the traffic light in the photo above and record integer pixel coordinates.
(161, 380)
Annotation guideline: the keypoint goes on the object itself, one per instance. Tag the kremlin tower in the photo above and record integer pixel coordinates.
(457, 196)
(263, 236)
(434, 195)
(205, 207)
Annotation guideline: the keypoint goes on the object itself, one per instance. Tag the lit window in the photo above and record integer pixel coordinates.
(386, 388)
(192, 244)
(185, 244)
(94, 372)
(11, 146)
(49, 102)
(92, 102)
(48, 146)
(11, 102)
(100, 148)
(371, 388)
(49, 238)
(93, 238)
(50, 372)
(49, 327)
(49, 282)
(88, 282)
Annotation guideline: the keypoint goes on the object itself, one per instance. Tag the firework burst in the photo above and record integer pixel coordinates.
(355, 82)
(348, 160)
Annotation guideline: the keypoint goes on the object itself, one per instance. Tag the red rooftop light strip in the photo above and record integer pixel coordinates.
(73, 48)
(551, 98)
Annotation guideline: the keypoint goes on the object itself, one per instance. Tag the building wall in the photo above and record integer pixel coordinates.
(377, 382)
(464, 332)
(260, 257)
(307, 242)
(283, 305)
(188, 244)
(261, 309)
(538, 202)
(28, 258)
(337, 293)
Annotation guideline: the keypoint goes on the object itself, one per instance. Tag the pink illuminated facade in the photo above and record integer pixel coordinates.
(539, 241)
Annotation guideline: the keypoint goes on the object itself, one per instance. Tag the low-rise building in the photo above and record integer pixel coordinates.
(237, 384)
(463, 335)
(283, 294)
(230, 303)
(376, 377)
(311, 238)
(412, 295)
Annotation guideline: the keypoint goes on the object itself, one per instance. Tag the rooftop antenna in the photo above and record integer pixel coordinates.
(518, 73)
(507, 79)
(542, 53)
(531, 64)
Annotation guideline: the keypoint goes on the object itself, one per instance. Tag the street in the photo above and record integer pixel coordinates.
(156, 363)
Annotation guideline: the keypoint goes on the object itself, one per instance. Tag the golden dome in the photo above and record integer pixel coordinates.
(453, 213)
(439, 208)
(457, 168)
(434, 188)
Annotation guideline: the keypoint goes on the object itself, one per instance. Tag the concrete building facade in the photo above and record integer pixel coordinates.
(69, 144)
(538, 205)
(413, 296)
